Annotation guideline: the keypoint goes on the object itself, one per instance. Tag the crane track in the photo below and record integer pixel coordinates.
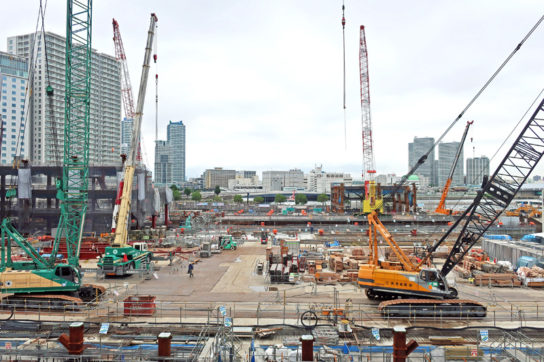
(432, 308)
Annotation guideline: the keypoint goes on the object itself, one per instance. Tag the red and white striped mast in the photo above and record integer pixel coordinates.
(368, 151)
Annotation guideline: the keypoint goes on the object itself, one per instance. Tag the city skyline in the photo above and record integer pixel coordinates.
(263, 89)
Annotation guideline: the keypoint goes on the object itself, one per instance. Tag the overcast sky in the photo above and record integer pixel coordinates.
(259, 84)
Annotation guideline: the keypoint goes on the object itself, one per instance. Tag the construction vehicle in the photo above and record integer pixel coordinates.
(226, 242)
(205, 249)
(264, 237)
(429, 285)
(121, 258)
(525, 211)
(441, 208)
(42, 280)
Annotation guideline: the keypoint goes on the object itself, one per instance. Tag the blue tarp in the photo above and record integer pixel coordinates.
(535, 238)
(497, 237)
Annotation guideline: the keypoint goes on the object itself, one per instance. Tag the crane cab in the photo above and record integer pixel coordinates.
(433, 279)
(68, 273)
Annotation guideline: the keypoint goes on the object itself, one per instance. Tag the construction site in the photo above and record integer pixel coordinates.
(99, 264)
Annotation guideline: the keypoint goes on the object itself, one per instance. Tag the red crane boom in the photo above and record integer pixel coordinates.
(126, 87)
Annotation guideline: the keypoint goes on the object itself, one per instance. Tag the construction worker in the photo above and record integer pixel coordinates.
(190, 271)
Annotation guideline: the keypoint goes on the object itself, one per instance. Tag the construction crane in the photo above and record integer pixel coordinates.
(121, 258)
(128, 106)
(409, 280)
(441, 208)
(40, 278)
(371, 201)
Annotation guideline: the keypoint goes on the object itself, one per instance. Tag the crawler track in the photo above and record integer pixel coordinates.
(44, 301)
(436, 308)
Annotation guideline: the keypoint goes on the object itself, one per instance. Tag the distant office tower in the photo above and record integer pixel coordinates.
(217, 177)
(13, 81)
(163, 164)
(477, 168)
(277, 180)
(176, 140)
(418, 148)
(446, 155)
(246, 174)
(126, 135)
(46, 116)
(320, 181)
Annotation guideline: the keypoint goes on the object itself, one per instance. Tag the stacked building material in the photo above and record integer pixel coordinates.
(532, 277)
(476, 266)
(326, 278)
(497, 279)
(336, 263)
(350, 263)
(351, 276)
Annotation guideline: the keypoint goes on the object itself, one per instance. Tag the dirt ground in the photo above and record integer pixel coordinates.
(231, 277)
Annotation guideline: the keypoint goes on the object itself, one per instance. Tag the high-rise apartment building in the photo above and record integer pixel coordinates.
(126, 135)
(13, 82)
(217, 177)
(46, 115)
(446, 155)
(418, 148)
(176, 140)
(477, 168)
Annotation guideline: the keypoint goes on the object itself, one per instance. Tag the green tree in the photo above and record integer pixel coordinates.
(217, 198)
(279, 198)
(176, 194)
(187, 191)
(322, 198)
(301, 199)
(258, 199)
(217, 190)
(238, 199)
(196, 196)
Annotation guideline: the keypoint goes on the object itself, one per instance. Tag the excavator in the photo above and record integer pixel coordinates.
(441, 209)
(415, 289)
(121, 258)
(44, 281)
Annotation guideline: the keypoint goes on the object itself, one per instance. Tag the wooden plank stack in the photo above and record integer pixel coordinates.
(497, 279)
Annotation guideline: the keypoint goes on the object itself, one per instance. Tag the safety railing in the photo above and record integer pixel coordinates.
(277, 311)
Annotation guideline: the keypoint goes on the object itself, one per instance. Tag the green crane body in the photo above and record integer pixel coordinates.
(45, 275)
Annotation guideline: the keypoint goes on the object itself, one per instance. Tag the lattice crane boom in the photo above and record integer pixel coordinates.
(126, 87)
(368, 151)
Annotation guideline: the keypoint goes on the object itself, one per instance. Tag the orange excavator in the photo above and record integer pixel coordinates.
(441, 209)
(413, 289)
